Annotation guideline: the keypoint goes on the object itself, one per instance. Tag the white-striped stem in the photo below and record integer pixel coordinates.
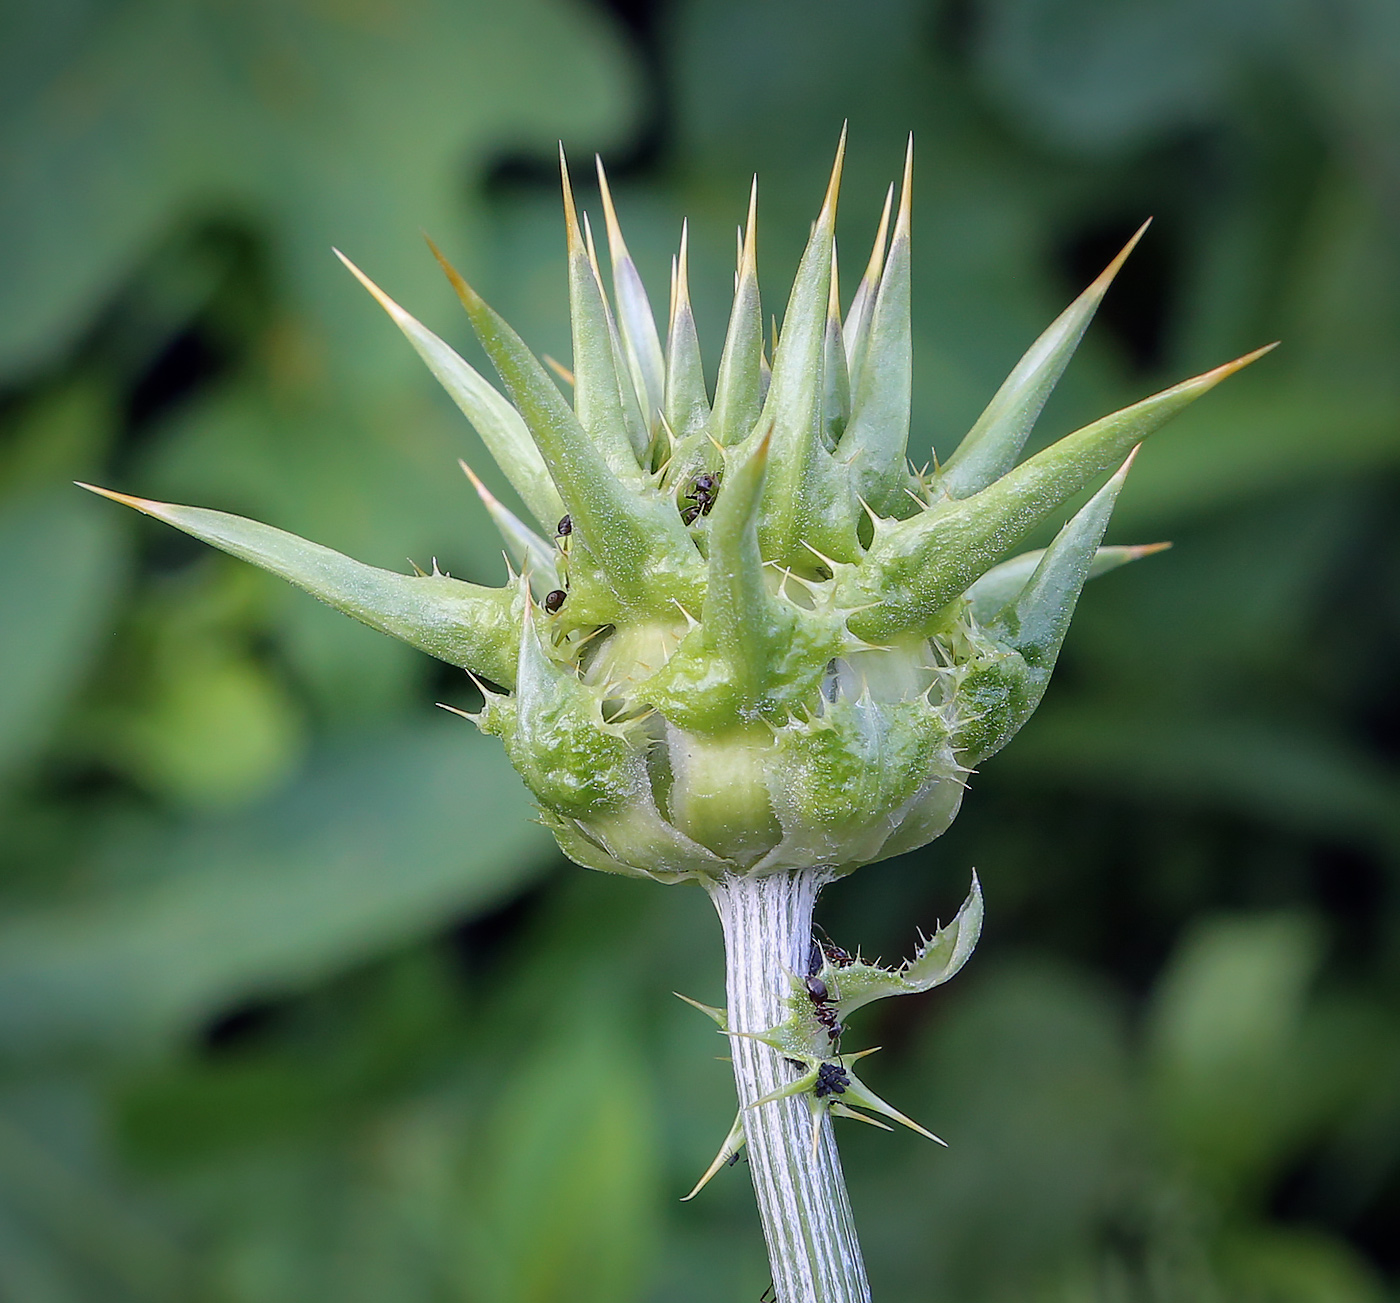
(801, 1192)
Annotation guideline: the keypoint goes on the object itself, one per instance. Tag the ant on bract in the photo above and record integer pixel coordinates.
(704, 488)
(823, 1002)
(835, 956)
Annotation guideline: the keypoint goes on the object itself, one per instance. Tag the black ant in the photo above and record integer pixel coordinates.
(823, 1005)
(554, 599)
(835, 956)
(703, 490)
(824, 1008)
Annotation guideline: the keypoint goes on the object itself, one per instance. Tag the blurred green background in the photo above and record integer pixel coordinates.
(295, 1001)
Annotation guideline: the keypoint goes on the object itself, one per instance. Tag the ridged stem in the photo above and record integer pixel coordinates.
(801, 1191)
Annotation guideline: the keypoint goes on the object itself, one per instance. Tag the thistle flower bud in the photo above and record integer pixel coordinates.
(745, 637)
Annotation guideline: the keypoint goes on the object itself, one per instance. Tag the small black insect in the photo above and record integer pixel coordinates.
(554, 599)
(831, 1080)
(565, 527)
(703, 490)
(835, 956)
(736, 1157)
(823, 1007)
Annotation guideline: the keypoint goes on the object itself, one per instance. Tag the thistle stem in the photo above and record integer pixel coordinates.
(800, 1189)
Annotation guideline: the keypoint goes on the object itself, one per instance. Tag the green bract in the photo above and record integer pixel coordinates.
(745, 636)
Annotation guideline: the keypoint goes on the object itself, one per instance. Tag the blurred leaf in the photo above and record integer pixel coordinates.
(219, 731)
(57, 437)
(187, 710)
(1103, 73)
(1282, 776)
(341, 124)
(1231, 609)
(373, 846)
(1246, 446)
(569, 1204)
(1297, 1266)
(61, 567)
(312, 1069)
(72, 1228)
(373, 1213)
(560, 1193)
(1229, 1085)
(376, 479)
(1027, 1080)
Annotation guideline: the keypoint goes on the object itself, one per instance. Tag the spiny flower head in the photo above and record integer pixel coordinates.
(743, 635)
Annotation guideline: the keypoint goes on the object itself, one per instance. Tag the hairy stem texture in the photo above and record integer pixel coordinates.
(800, 1189)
